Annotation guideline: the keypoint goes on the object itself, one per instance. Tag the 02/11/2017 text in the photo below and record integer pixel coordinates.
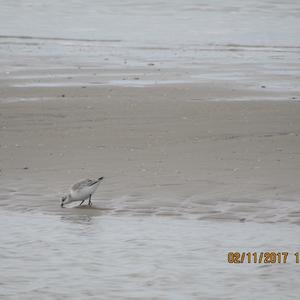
(262, 257)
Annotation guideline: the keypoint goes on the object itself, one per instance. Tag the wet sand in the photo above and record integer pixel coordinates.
(162, 149)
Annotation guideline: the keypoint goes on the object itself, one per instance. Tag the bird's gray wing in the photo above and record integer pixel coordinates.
(83, 183)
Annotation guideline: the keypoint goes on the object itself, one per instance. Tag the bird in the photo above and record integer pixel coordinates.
(82, 190)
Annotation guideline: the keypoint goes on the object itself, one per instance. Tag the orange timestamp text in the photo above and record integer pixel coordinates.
(262, 257)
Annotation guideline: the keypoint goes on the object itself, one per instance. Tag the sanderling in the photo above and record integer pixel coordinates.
(81, 191)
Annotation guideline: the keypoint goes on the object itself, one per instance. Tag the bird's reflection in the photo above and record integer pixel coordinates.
(83, 215)
(77, 219)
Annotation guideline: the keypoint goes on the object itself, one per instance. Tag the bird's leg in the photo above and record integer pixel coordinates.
(90, 200)
(81, 202)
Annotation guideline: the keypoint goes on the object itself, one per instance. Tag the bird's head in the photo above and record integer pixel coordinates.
(63, 199)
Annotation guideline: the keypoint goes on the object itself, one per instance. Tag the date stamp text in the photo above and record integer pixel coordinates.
(263, 257)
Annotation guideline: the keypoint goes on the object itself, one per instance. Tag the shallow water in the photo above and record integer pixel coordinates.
(132, 247)
(247, 44)
(77, 255)
(267, 22)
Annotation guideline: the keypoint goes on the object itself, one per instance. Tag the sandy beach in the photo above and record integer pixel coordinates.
(156, 141)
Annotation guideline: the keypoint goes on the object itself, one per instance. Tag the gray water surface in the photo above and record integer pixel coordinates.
(79, 256)
(253, 22)
(250, 43)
